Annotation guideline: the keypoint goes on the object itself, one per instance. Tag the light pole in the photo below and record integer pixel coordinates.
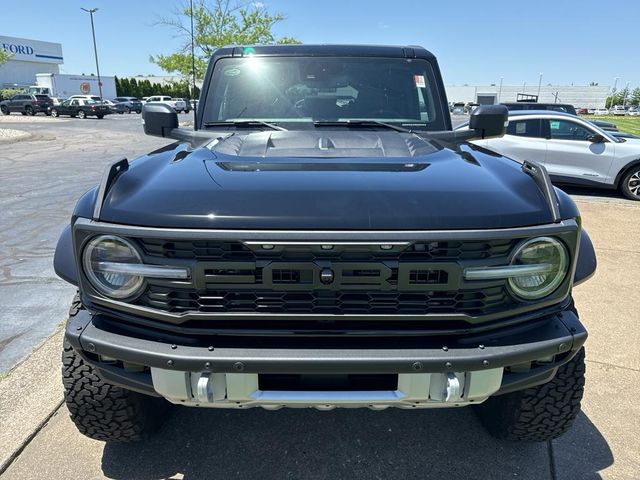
(500, 89)
(613, 92)
(91, 11)
(539, 84)
(626, 92)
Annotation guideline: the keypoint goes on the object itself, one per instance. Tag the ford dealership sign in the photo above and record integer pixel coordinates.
(22, 49)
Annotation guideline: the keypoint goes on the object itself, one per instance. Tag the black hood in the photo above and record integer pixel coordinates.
(324, 180)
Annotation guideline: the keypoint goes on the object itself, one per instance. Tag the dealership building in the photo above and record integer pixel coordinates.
(28, 57)
(580, 96)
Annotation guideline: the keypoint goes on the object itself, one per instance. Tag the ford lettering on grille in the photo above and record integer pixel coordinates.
(327, 275)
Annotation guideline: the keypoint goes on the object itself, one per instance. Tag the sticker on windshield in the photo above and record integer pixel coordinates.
(232, 72)
(554, 125)
(419, 79)
(521, 128)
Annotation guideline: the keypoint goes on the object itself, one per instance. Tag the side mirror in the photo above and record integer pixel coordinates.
(489, 121)
(596, 138)
(158, 119)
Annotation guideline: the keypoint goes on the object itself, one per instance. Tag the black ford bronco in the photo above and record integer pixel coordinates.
(322, 238)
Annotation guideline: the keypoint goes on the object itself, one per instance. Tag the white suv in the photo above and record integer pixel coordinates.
(618, 110)
(178, 105)
(574, 151)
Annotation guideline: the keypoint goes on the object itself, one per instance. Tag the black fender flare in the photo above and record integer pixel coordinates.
(586, 263)
(64, 260)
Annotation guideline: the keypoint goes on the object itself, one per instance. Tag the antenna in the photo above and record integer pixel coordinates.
(193, 72)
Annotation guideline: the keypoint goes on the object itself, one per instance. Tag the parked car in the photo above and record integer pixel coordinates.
(187, 104)
(574, 151)
(634, 111)
(618, 110)
(81, 108)
(95, 98)
(129, 104)
(26, 104)
(458, 109)
(555, 107)
(178, 105)
(324, 252)
(583, 111)
(114, 107)
(601, 111)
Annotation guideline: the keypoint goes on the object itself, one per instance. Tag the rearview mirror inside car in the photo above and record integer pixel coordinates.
(489, 121)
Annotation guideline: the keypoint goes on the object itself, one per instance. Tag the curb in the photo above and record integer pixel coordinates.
(29, 396)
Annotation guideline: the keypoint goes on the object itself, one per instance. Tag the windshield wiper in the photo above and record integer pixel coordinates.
(244, 123)
(360, 123)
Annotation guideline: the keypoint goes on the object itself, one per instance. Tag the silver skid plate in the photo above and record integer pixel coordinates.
(241, 390)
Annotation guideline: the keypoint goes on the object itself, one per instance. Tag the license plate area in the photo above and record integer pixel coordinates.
(327, 382)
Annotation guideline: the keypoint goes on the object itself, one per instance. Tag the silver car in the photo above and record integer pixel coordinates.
(573, 150)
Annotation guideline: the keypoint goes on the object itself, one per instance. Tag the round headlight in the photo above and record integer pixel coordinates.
(109, 249)
(552, 258)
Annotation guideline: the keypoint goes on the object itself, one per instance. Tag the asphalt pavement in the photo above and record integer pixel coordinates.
(42, 177)
(40, 181)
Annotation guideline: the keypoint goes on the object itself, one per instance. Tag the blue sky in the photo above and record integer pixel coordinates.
(476, 42)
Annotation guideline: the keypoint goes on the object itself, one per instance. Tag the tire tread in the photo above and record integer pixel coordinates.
(539, 413)
(103, 411)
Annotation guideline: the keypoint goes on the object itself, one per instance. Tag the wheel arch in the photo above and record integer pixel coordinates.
(587, 262)
(623, 171)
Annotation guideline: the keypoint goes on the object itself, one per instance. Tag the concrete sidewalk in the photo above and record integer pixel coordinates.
(255, 443)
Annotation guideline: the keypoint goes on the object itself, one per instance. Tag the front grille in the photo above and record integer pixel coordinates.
(418, 252)
(470, 302)
(421, 278)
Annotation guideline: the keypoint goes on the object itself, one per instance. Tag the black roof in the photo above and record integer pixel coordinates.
(409, 51)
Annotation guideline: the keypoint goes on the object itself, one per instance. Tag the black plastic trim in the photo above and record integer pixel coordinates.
(561, 333)
(541, 177)
(109, 176)
(586, 262)
(64, 260)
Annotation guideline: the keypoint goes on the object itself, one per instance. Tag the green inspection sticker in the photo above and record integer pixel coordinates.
(554, 125)
(232, 72)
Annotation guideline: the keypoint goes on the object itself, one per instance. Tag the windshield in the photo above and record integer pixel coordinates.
(303, 90)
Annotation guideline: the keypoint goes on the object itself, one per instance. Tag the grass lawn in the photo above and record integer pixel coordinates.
(625, 124)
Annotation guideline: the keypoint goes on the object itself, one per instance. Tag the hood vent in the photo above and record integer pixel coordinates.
(336, 144)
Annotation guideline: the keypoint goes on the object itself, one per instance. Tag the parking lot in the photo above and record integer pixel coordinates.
(41, 179)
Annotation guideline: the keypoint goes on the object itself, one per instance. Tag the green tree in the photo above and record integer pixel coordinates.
(635, 96)
(4, 56)
(125, 87)
(135, 91)
(217, 23)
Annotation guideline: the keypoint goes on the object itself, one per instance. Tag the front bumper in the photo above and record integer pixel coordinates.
(494, 362)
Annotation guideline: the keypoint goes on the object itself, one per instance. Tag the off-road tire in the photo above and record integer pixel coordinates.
(539, 413)
(103, 411)
(629, 181)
